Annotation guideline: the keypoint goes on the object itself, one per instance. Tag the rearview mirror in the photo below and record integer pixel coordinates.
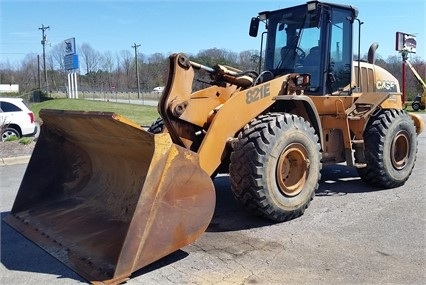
(254, 27)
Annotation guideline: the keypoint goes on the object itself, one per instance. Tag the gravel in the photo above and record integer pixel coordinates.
(15, 149)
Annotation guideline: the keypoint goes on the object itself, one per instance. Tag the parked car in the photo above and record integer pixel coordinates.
(16, 119)
(158, 89)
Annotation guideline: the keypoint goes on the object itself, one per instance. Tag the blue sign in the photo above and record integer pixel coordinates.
(71, 61)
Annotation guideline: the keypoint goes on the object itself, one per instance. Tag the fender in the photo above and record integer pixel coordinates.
(418, 122)
(306, 109)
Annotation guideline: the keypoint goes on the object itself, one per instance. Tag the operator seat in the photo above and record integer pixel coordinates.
(312, 59)
(311, 65)
(288, 57)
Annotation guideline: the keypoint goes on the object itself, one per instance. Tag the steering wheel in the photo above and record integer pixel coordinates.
(300, 53)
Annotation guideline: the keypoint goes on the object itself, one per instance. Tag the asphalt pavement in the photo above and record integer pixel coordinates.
(350, 234)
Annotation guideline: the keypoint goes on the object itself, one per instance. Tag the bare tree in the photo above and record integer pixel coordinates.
(25, 74)
(393, 64)
(126, 63)
(102, 70)
(156, 58)
(56, 56)
(7, 74)
(90, 57)
(108, 68)
(29, 72)
(154, 72)
(248, 60)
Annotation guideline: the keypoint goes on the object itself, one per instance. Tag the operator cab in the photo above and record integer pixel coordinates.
(314, 38)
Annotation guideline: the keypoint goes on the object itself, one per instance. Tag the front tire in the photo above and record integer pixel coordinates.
(157, 127)
(390, 149)
(275, 166)
(415, 106)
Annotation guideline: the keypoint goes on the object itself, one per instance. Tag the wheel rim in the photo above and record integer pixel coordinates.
(7, 134)
(400, 150)
(292, 169)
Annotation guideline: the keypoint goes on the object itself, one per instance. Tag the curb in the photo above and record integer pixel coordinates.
(15, 160)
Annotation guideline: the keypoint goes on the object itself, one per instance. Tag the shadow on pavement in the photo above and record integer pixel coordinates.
(230, 216)
(20, 254)
(163, 262)
(341, 180)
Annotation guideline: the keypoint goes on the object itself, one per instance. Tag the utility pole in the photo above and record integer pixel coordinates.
(135, 46)
(43, 43)
(38, 72)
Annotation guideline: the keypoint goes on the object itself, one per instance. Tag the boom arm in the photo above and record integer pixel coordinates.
(226, 74)
(205, 121)
(416, 74)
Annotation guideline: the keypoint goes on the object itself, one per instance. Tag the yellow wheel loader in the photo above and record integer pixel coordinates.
(107, 198)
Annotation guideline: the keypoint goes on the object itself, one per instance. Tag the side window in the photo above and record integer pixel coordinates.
(280, 42)
(340, 51)
(310, 44)
(310, 41)
(8, 107)
(336, 42)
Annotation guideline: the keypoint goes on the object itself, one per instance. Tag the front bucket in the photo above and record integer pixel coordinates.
(107, 198)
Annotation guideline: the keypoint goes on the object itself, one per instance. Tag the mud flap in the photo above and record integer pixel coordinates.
(107, 198)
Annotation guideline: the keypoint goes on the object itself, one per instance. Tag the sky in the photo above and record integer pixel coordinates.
(181, 26)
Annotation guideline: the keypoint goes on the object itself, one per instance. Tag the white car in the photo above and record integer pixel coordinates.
(16, 119)
(158, 89)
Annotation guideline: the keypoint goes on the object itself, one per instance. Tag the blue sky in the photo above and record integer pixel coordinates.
(181, 26)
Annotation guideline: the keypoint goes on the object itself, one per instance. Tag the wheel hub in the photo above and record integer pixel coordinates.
(292, 169)
(400, 150)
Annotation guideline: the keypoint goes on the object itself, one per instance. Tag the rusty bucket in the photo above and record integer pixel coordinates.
(107, 198)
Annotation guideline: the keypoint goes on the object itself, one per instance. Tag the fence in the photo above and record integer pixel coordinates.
(144, 98)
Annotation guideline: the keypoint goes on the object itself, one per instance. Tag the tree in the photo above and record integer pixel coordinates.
(90, 57)
(249, 60)
(28, 75)
(211, 57)
(125, 63)
(56, 56)
(107, 65)
(101, 71)
(155, 71)
(7, 73)
(393, 64)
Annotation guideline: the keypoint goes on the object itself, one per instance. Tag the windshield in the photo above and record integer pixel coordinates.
(318, 43)
(293, 40)
(293, 44)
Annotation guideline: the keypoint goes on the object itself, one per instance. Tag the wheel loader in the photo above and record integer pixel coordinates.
(107, 198)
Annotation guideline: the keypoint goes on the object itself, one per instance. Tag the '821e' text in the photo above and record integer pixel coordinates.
(257, 93)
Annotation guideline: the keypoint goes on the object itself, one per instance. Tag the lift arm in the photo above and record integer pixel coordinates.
(416, 74)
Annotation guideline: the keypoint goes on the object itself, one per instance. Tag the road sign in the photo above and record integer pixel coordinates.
(71, 61)
(405, 42)
(69, 45)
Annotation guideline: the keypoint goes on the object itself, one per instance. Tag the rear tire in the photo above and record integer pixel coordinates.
(275, 166)
(390, 149)
(9, 132)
